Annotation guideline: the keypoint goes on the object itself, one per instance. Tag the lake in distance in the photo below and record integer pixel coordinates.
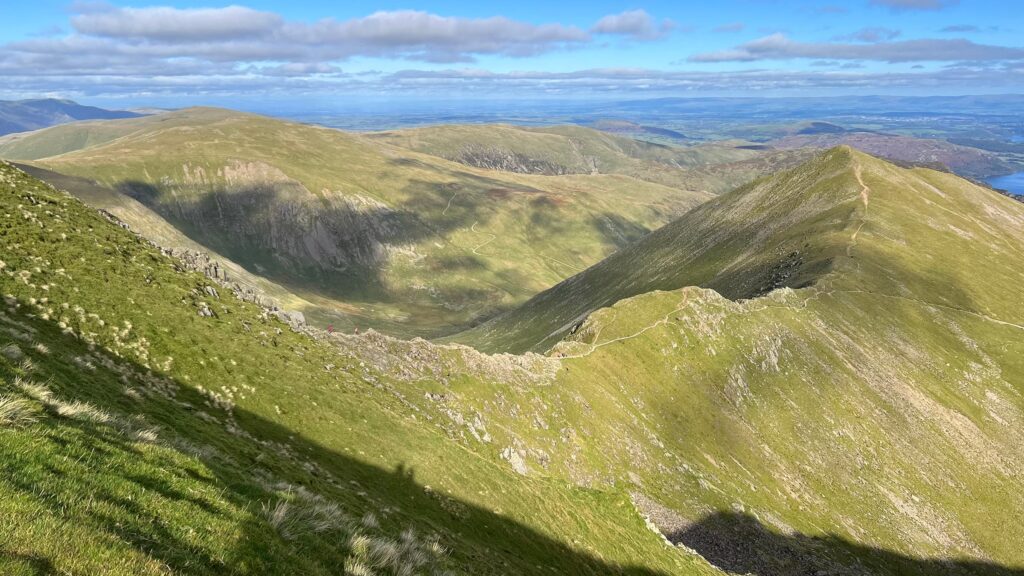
(1012, 183)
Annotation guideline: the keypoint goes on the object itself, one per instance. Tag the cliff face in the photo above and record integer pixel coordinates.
(256, 214)
(494, 158)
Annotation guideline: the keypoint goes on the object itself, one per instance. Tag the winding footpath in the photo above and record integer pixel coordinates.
(485, 243)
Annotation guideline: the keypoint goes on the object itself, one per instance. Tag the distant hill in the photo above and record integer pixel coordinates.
(25, 115)
(820, 128)
(965, 160)
(626, 127)
(554, 150)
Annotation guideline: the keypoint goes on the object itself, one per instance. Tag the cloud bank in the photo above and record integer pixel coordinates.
(781, 47)
(112, 51)
(240, 33)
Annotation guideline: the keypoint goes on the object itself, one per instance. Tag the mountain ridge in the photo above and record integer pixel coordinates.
(861, 407)
(654, 262)
(691, 251)
(26, 115)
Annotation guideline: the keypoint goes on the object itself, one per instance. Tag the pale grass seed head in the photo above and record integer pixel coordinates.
(78, 410)
(16, 412)
(354, 567)
(33, 390)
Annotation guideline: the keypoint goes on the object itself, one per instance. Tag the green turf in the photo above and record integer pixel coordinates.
(866, 417)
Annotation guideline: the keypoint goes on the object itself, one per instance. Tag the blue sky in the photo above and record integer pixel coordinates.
(194, 52)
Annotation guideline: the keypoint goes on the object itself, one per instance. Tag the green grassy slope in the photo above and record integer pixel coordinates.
(138, 436)
(408, 243)
(140, 217)
(715, 168)
(785, 230)
(869, 423)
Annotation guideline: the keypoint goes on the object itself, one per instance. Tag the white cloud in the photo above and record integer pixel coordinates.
(424, 36)
(174, 24)
(238, 50)
(110, 41)
(243, 34)
(635, 24)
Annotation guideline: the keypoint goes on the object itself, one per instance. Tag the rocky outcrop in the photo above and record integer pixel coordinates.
(492, 158)
(201, 262)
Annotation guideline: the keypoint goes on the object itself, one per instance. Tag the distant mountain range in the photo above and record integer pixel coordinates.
(25, 115)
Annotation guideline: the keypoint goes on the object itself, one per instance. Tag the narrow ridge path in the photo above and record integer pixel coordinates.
(865, 197)
(594, 347)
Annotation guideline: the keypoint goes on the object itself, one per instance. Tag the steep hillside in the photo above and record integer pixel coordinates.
(787, 230)
(359, 232)
(554, 150)
(158, 230)
(782, 230)
(868, 422)
(165, 428)
(25, 115)
(866, 418)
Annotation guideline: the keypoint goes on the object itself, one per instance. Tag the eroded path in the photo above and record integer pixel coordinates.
(485, 243)
(865, 197)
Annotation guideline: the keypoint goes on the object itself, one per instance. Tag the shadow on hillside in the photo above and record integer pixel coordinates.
(617, 230)
(239, 452)
(237, 464)
(739, 543)
(341, 249)
(281, 232)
